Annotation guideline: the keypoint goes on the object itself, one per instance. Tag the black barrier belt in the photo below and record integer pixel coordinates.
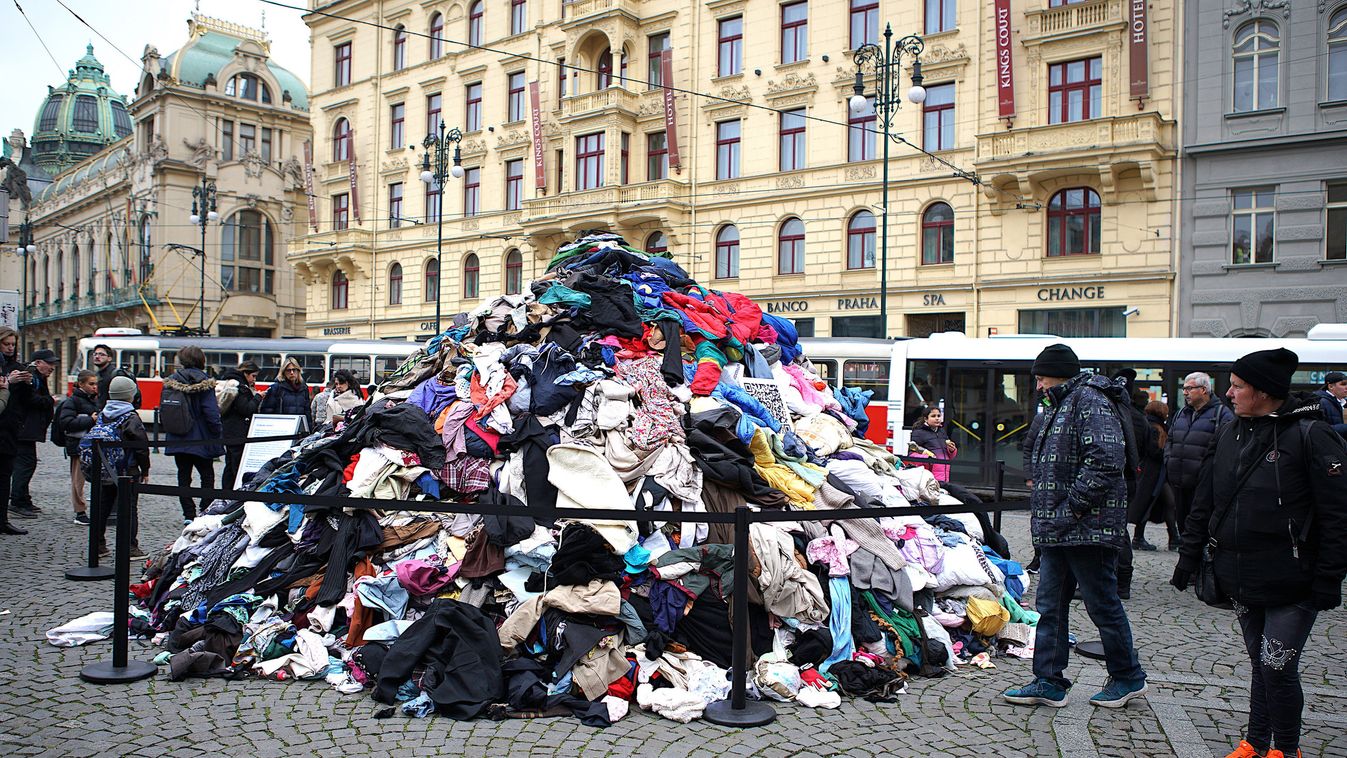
(144, 444)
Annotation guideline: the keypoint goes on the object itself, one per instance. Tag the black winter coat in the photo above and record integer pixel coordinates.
(288, 399)
(1190, 435)
(1286, 536)
(1332, 411)
(36, 408)
(239, 415)
(74, 417)
(11, 417)
(200, 390)
(459, 650)
(105, 377)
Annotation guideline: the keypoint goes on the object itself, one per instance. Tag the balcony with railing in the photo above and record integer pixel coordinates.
(600, 102)
(577, 10)
(1145, 131)
(625, 204)
(1044, 23)
(110, 300)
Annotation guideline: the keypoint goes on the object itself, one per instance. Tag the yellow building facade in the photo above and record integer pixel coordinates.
(1067, 227)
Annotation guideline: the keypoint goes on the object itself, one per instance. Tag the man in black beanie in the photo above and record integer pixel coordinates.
(1272, 499)
(1079, 523)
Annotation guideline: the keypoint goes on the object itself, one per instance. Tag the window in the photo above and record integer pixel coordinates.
(474, 107)
(938, 118)
(514, 273)
(730, 48)
(432, 202)
(475, 13)
(399, 49)
(939, 16)
(589, 161)
(432, 113)
(864, 22)
(51, 112)
(1336, 234)
(514, 185)
(604, 71)
(727, 252)
(472, 276)
(341, 211)
(1337, 56)
(937, 235)
(794, 32)
(121, 120)
(341, 290)
(247, 253)
(657, 244)
(227, 140)
(436, 36)
(858, 326)
(861, 240)
(248, 87)
(1253, 226)
(85, 118)
(432, 283)
(247, 139)
(727, 149)
(265, 145)
(1074, 322)
(791, 153)
(656, 156)
(515, 108)
(1073, 222)
(1074, 90)
(654, 67)
(518, 16)
(562, 75)
(1257, 45)
(341, 140)
(341, 56)
(397, 120)
(624, 159)
(560, 163)
(861, 133)
(395, 284)
(395, 205)
(790, 247)
(472, 191)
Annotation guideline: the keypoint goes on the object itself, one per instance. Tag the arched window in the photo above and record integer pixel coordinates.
(1073, 222)
(432, 288)
(341, 289)
(1256, 50)
(472, 276)
(395, 284)
(605, 69)
(861, 240)
(436, 36)
(937, 234)
(399, 48)
(475, 13)
(146, 240)
(75, 271)
(790, 247)
(657, 244)
(341, 140)
(1337, 54)
(247, 253)
(727, 252)
(60, 274)
(514, 273)
(248, 87)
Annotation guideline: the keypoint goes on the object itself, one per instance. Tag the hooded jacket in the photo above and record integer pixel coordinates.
(236, 418)
(1285, 538)
(1076, 462)
(200, 389)
(74, 417)
(286, 398)
(1190, 434)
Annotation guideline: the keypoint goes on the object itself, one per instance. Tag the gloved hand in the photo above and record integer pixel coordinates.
(1327, 596)
(1181, 579)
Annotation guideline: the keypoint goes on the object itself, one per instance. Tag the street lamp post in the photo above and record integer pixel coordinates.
(886, 60)
(203, 212)
(26, 249)
(436, 174)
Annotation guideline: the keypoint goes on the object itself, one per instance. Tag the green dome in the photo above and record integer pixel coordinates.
(211, 48)
(79, 118)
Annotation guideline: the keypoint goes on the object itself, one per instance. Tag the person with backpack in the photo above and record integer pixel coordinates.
(1079, 522)
(117, 422)
(36, 409)
(1190, 433)
(188, 411)
(74, 417)
(238, 402)
(1269, 524)
(289, 395)
(102, 358)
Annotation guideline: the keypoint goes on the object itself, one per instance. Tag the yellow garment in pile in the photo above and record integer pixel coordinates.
(987, 617)
(798, 491)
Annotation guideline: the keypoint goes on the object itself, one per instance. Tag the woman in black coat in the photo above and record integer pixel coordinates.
(1154, 500)
(11, 418)
(236, 415)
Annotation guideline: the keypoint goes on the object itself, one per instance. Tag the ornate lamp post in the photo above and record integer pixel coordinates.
(203, 212)
(436, 174)
(886, 61)
(25, 250)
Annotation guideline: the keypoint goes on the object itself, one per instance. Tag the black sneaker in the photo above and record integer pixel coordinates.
(22, 512)
(82, 519)
(1142, 544)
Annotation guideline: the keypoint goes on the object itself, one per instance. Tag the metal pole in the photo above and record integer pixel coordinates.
(1000, 491)
(23, 307)
(738, 710)
(439, 227)
(201, 304)
(884, 100)
(91, 571)
(121, 669)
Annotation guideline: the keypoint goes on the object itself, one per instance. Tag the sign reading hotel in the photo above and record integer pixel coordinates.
(355, 181)
(670, 110)
(539, 174)
(1137, 48)
(1005, 64)
(308, 183)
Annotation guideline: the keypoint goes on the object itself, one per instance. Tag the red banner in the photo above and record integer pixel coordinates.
(1005, 64)
(355, 181)
(308, 184)
(670, 109)
(539, 173)
(1138, 49)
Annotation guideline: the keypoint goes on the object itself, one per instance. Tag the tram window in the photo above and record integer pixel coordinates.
(311, 366)
(868, 375)
(358, 366)
(386, 365)
(924, 385)
(218, 361)
(268, 364)
(826, 370)
(139, 362)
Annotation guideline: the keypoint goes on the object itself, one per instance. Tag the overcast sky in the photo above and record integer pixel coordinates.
(26, 69)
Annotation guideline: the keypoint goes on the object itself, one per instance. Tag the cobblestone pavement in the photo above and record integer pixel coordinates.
(1196, 707)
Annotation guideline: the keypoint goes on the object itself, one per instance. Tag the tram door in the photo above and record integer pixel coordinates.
(988, 410)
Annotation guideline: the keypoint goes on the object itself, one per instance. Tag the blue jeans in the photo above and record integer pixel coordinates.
(1093, 568)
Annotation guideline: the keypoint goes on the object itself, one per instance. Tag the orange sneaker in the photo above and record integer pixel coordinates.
(1245, 750)
(1280, 754)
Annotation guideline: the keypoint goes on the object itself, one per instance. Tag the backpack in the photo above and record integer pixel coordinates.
(116, 461)
(58, 437)
(1122, 408)
(175, 412)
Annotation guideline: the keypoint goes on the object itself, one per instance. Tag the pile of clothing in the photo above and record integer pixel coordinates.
(614, 382)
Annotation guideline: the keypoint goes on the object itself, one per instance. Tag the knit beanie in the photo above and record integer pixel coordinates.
(1057, 361)
(1268, 370)
(122, 388)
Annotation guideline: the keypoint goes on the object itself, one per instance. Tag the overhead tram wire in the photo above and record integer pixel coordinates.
(64, 73)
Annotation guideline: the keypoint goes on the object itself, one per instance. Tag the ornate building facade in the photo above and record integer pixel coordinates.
(758, 178)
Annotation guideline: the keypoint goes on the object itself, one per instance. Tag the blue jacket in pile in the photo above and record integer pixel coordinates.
(1076, 463)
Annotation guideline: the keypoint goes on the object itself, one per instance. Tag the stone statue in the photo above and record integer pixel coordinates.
(293, 173)
(253, 164)
(202, 152)
(158, 151)
(16, 182)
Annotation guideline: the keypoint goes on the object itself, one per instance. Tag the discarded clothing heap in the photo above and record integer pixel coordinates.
(613, 382)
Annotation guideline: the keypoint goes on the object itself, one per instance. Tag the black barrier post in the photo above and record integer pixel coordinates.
(120, 669)
(1000, 492)
(738, 710)
(91, 571)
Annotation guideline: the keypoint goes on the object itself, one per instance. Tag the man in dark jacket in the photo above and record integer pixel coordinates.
(102, 357)
(74, 417)
(1331, 398)
(289, 395)
(1190, 432)
(1079, 522)
(236, 415)
(1272, 497)
(192, 381)
(36, 408)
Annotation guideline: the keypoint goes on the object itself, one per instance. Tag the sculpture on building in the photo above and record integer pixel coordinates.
(202, 152)
(293, 174)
